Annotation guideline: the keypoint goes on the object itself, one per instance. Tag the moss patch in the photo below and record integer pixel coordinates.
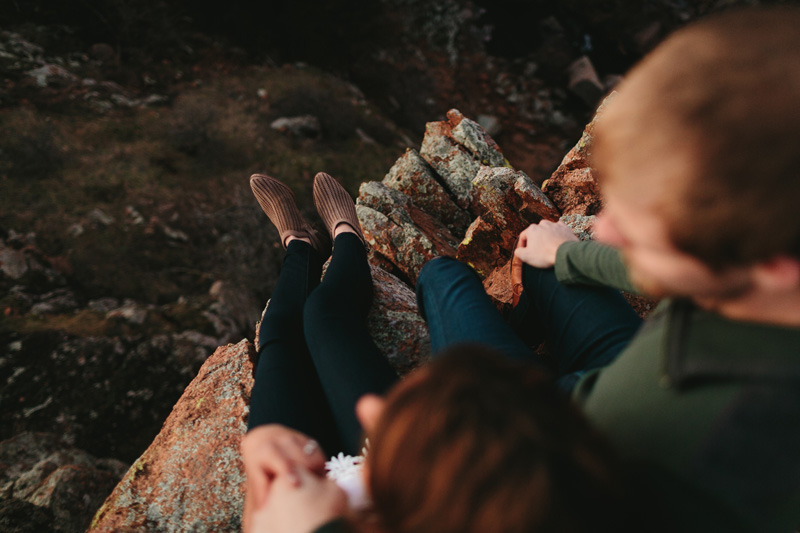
(176, 165)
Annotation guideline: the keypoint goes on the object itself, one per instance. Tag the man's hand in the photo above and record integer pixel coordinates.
(539, 243)
(293, 508)
(274, 450)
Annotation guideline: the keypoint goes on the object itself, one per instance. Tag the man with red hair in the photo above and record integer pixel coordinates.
(699, 168)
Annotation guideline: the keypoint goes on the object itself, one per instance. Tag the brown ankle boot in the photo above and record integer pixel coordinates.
(278, 203)
(334, 205)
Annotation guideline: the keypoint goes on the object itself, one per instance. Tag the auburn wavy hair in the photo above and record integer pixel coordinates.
(477, 443)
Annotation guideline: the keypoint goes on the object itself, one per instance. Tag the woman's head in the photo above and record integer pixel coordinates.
(474, 442)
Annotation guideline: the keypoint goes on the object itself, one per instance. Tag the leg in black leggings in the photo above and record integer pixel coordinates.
(287, 390)
(348, 363)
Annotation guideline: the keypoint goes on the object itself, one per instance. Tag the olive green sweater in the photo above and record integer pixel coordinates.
(709, 407)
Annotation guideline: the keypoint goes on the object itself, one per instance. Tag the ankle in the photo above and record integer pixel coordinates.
(343, 227)
(291, 238)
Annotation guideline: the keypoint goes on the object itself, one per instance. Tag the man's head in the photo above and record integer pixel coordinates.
(698, 156)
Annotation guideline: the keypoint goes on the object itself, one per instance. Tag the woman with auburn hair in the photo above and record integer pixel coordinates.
(477, 442)
(472, 442)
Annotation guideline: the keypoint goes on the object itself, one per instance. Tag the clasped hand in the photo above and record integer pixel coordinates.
(287, 491)
(538, 243)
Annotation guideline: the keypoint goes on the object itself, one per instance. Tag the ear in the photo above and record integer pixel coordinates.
(368, 410)
(778, 274)
(605, 231)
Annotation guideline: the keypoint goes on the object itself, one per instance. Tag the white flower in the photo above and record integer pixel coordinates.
(342, 466)
(347, 472)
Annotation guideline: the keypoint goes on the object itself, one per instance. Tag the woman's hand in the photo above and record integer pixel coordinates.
(299, 508)
(539, 243)
(274, 450)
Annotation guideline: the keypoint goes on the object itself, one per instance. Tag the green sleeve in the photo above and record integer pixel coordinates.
(592, 263)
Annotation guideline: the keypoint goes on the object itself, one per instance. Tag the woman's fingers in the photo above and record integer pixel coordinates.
(299, 509)
(272, 450)
(306, 452)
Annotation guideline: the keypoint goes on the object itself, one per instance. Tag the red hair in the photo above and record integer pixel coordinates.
(475, 442)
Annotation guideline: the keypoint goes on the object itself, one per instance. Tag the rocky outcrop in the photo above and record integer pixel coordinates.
(482, 247)
(399, 230)
(511, 196)
(499, 287)
(573, 186)
(40, 470)
(582, 225)
(395, 323)
(191, 477)
(199, 440)
(460, 172)
(456, 148)
(507, 202)
(413, 176)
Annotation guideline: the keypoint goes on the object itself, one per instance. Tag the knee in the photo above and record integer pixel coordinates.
(443, 270)
(533, 279)
(429, 272)
(318, 304)
(438, 276)
(326, 306)
(282, 328)
(439, 268)
(278, 322)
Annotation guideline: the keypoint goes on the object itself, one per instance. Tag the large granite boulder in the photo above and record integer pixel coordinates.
(191, 478)
(499, 287)
(511, 196)
(456, 148)
(483, 247)
(395, 323)
(403, 245)
(415, 177)
(398, 229)
(507, 202)
(582, 225)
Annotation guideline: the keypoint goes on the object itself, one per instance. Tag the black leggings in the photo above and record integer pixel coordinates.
(316, 356)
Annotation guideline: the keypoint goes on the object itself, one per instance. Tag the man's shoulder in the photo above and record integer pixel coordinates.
(683, 347)
(714, 402)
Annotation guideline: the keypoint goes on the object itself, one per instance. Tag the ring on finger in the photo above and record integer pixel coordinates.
(310, 447)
